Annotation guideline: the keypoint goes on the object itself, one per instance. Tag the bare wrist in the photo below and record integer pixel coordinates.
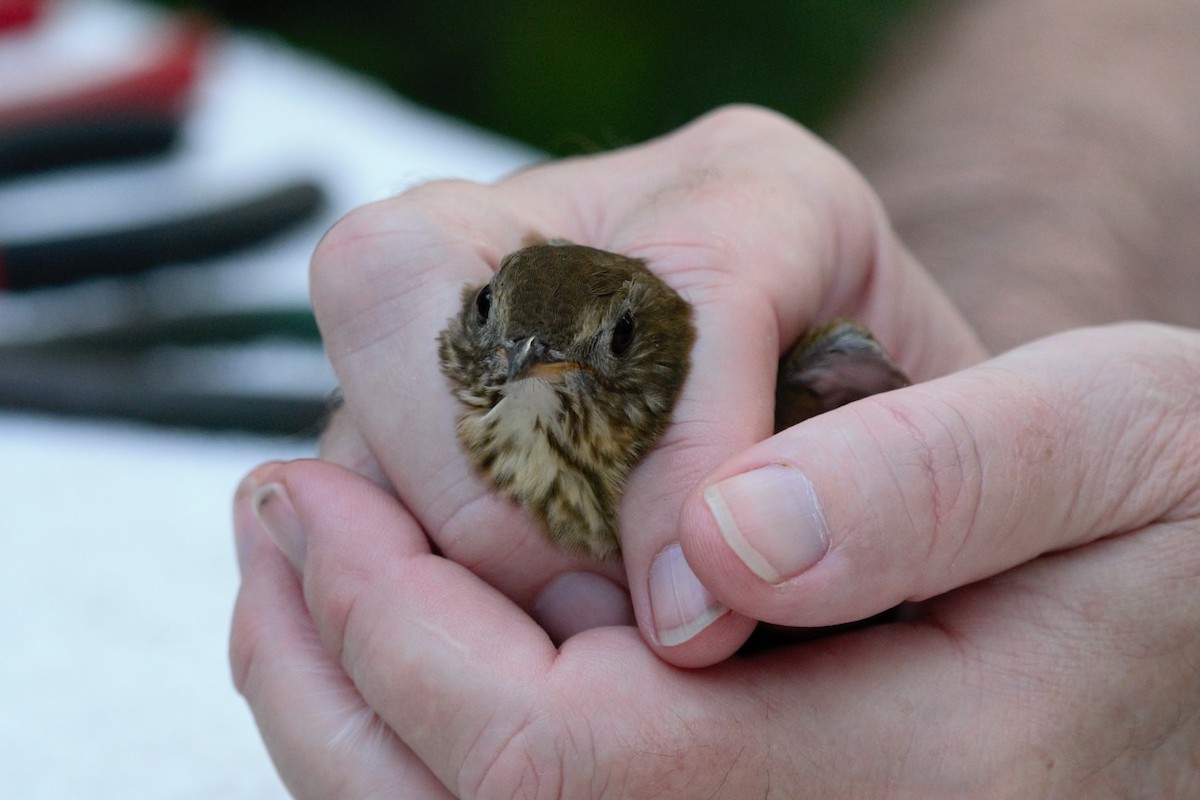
(1022, 259)
(1040, 158)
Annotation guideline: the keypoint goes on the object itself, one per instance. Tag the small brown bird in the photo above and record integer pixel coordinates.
(569, 363)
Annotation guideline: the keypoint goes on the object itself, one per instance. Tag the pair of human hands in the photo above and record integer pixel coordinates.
(398, 635)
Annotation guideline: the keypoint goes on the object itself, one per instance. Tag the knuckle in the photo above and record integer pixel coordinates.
(742, 134)
(444, 209)
(383, 270)
(444, 192)
(1160, 430)
(986, 481)
(336, 248)
(351, 243)
(746, 120)
(936, 472)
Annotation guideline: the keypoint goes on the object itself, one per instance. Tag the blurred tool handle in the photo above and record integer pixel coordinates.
(163, 85)
(16, 14)
(187, 238)
(128, 385)
(26, 149)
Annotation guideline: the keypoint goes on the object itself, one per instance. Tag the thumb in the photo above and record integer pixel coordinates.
(910, 494)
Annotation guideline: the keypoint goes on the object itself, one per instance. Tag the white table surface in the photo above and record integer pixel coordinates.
(117, 572)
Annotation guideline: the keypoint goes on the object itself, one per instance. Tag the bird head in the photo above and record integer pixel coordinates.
(569, 362)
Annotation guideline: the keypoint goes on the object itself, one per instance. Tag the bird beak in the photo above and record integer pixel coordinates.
(522, 356)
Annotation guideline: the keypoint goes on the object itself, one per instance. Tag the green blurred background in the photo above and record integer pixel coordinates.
(576, 77)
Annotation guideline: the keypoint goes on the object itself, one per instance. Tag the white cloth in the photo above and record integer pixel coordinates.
(117, 569)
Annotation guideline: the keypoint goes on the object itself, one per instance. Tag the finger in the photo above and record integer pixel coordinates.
(450, 664)
(760, 253)
(342, 443)
(907, 495)
(324, 739)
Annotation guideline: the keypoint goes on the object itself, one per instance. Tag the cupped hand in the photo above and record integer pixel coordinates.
(377, 668)
(763, 228)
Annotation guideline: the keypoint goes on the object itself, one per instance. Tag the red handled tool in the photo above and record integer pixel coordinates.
(159, 85)
(16, 14)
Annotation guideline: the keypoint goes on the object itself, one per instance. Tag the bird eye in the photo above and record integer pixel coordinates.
(483, 303)
(622, 335)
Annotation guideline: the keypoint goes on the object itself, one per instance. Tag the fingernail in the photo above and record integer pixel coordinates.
(679, 603)
(246, 527)
(275, 511)
(245, 537)
(771, 518)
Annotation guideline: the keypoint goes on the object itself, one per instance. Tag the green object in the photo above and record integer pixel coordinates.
(579, 77)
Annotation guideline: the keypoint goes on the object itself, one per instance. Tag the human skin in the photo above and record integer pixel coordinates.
(1039, 159)
(1043, 192)
(1020, 685)
(757, 223)
(376, 668)
(1042, 504)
